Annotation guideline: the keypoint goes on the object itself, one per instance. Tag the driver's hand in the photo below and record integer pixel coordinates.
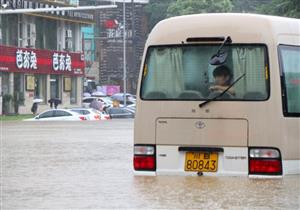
(214, 88)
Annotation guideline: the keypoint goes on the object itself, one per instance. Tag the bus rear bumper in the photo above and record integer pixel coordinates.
(233, 161)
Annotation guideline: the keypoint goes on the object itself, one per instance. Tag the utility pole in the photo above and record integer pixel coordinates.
(134, 44)
(124, 54)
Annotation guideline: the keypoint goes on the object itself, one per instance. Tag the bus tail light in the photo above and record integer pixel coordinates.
(144, 158)
(265, 161)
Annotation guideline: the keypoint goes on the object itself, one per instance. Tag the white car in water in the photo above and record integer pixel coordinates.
(91, 114)
(105, 101)
(58, 115)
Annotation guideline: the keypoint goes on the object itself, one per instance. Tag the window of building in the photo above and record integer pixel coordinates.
(21, 34)
(55, 86)
(40, 88)
(51, 34)
(74, 45)
(70, 37)
(68, 41)
(290, 68)
(73, 95)
(40, 39)
(0, 29)
(10, 31)
(46, 34)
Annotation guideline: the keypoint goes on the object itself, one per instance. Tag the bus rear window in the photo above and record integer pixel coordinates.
(184, 73)
(290, 68)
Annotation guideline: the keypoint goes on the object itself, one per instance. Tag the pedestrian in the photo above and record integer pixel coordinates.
(34, 108)
(51, 102)
(95, 104)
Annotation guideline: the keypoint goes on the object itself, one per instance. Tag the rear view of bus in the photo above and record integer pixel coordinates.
(219, 94)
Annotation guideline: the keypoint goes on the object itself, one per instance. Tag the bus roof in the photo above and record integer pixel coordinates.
(242, 28)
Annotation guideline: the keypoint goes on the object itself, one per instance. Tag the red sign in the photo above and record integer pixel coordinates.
(111, 24)
(26, 60)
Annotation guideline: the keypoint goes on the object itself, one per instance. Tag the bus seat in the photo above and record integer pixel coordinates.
(156, 95)
(190, 94)
(254, 96)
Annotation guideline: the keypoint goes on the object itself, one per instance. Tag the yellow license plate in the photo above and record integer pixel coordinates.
(201, 161)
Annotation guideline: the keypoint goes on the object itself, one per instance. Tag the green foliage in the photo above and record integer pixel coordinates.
(15, 117)
(287, 8)
(185, 7)
(7, 98)
(250, 6)
(18, 100)
(157, 11)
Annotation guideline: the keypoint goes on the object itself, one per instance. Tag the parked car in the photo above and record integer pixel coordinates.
(131, 107)
(89, 113)
(103, 115)
(120, 112)
(106, 101)
(120, 97)
(58, 115)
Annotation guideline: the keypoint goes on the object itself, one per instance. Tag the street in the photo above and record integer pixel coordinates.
(88, 165)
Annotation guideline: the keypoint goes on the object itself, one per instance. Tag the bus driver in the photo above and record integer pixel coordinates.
(223, 79)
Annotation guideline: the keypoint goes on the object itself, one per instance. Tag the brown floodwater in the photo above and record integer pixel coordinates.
(88, 165)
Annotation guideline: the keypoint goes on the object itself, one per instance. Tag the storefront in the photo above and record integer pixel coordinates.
(27, 74)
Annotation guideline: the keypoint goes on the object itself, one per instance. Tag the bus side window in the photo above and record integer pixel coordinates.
(290, 67)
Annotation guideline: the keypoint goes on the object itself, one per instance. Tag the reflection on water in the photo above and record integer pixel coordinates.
(88, 165)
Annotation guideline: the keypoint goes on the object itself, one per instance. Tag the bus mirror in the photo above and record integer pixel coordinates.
(218, 59)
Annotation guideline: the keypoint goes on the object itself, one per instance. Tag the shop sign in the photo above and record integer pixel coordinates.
(40, 61)
(61, 62)
(26, 60)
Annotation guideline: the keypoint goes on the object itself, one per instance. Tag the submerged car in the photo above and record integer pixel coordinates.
(120, 112)
(90, 114)
(58, 115)
(105, 101)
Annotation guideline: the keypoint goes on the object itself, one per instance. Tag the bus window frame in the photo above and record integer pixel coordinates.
(266, 62)
(284, 98)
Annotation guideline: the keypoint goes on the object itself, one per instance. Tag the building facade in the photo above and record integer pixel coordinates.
(109, 43)
(89, 49)
(41, 56)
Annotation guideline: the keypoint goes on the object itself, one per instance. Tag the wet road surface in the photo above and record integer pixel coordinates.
(88, 165)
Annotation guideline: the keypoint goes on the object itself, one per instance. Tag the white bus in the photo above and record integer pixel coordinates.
(219, 94)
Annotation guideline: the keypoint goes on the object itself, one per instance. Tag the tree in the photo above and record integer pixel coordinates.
(185, 7)
(156, 11)
(287, 8)
(248, 5)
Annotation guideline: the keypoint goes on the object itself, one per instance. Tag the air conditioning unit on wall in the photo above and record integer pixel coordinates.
(69, 33)
(70, 45)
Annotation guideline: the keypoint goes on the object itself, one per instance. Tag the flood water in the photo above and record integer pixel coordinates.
(88, 165)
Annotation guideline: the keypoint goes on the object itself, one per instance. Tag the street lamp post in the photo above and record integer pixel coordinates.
(124, 54)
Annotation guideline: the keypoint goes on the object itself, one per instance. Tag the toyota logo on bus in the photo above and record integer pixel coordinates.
(200, 124)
